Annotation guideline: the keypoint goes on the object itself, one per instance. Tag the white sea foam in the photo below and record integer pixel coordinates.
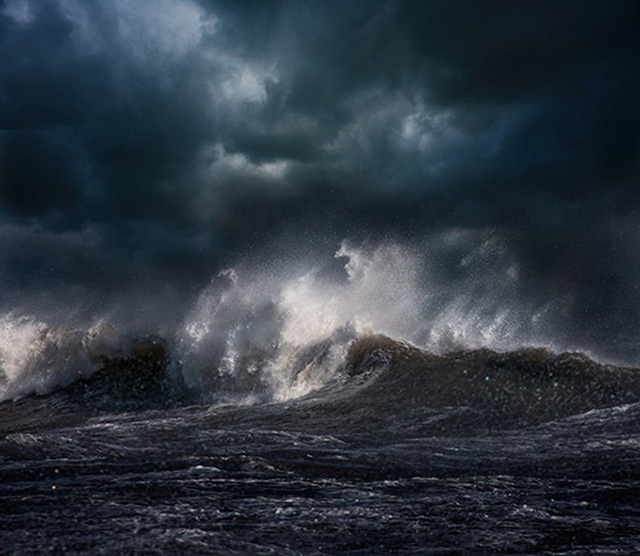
(258, 334)
(269, 333)
(37, 358)
(289, 332)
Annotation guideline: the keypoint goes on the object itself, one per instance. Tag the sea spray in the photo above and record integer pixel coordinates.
(259, 334)
(271, 332)
(254, 335)
(38, 358)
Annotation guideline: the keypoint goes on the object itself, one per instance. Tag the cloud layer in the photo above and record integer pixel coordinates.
(154, 139)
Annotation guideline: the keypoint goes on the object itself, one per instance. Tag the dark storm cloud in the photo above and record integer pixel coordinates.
(175, 133)
(39, 178)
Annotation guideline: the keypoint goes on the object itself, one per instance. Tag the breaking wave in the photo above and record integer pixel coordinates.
(377, 326)
(273, 335)
(37, 358)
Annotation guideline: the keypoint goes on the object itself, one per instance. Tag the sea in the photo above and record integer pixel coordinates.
(362, 405)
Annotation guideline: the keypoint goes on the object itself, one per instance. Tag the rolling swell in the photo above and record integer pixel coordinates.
(393, 389)
(382, 386)
(330, 346)
(482, 388)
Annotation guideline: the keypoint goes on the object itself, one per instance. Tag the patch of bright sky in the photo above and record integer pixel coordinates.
(424, 128)
(224, 164)
(237, 80)
(163, 25)
(145, 28)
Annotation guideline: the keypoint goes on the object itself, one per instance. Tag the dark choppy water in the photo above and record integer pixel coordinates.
(370, 407)
(408, 452)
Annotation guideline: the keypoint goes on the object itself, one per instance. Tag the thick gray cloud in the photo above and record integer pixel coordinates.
(177, 133)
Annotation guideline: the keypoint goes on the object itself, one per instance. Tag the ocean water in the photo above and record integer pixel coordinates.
(361, 405)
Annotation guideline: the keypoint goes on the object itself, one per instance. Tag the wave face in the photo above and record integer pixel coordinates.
(277, 334)
(467, 390)
(270, 336)
(375, 330)
(380, 386)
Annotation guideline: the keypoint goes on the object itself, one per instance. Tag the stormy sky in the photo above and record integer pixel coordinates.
(152, 141)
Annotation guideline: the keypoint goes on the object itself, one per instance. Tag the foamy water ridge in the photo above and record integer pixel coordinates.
(269, 334)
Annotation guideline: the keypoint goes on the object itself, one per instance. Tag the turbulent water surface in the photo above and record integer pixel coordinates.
(321, 413)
